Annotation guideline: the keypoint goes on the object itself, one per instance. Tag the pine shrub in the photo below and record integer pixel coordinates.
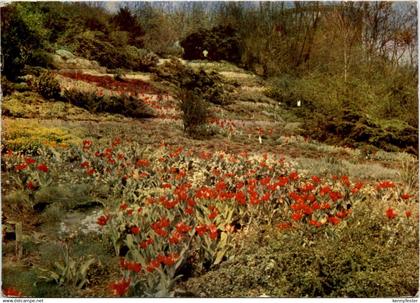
(208, 85)
(220, 43)
(195, 112)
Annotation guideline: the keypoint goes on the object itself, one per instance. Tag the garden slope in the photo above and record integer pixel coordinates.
(251, 122)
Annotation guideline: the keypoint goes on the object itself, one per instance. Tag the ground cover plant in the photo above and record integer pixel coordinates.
(275, 155)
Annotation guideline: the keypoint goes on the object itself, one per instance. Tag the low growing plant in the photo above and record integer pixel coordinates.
(47, 86)
(71, 272)
(116, 104)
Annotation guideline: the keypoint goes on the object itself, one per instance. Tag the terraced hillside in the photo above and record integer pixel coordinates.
(100, 204)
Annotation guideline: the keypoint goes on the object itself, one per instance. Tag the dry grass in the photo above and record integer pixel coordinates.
(335, 166)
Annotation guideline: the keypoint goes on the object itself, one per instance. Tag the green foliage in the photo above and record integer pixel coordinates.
(119, 38)
(22, 35)
(115, 104)
(44, 289)
(124, 20)
(31, 30)
(39, 58)
(409, 173)
(95, 46)
(220, 43)
(401, 98)
(71, 272)
(282, 264)
(195, 112)
(31, 105)
(209, 85)
(64, 20)
(140, 59)
(388, 135)
(47, 86)
(347, 113)
(6, 87)
(161, 33)
(17, 201)
(19, 277)
(66, 197)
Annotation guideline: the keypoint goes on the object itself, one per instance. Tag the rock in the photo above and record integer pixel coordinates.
(82, 221)
(57, 61)
(80, 63)
(75, 63)
(65, 54)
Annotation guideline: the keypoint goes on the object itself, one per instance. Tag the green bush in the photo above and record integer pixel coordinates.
(221, 43)
(47, 86)
(40, 58)
(22, 34)
(195, 112)
(209, 85)
(119, 38)
(357, 129)
(120, 104)
(351, 113)
(95, 46)
(140, 59)
(125, 20)
(6, 86)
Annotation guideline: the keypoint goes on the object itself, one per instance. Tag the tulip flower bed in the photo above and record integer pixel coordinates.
(108, 82)
(163, 105)
(173, 212)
